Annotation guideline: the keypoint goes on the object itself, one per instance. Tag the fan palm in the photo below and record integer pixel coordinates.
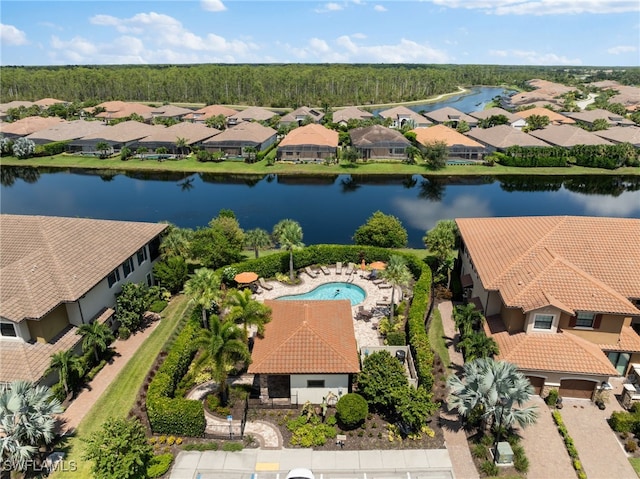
(96, 337)
(68, 366)
(257, 239)
(397, 274)
(247, 310)
(288, 233)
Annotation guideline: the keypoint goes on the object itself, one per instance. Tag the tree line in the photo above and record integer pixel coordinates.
(272, 85)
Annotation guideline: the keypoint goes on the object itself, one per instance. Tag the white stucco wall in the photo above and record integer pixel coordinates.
(478, 290)
(22, 331)
(529, 320)
(338, 384)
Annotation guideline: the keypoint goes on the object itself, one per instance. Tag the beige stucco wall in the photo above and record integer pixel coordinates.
(607, 333)
(50, 325)
(552, 379)
(531, 315)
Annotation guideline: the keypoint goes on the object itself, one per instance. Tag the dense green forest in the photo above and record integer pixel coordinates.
(273, 85)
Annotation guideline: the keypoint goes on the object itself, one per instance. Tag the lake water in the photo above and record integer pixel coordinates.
(328, 208)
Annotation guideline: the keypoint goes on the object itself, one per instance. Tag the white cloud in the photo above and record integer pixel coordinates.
(329, 7)
(544, 7)
(622, 49)
(424, 216)
(10, 35)
(530, 57)
(603, 205)
(359, 36)
(213, 5)
(380, 8)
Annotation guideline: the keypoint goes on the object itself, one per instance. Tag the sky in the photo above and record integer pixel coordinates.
(506, 32)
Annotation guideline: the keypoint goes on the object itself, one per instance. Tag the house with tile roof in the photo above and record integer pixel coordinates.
(459, 145)
(587, 117)
(235, 141)
(451, 117)
(309, 143)
(203, 114)
(514, 120)
(554, 118)
(253, 113)
(170, 111)
(398, 116)
(621, 134)
(117, 136)
(308, 351)
(29, 125)
(561, 295)
(66, 131)
(343, 115)
(568, 136)
(166, 137)
(378, 142)
(500, 137)
(302, 115)
(117, 110)
(59, 273)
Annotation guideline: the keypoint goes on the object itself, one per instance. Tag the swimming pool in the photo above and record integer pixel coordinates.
(335, 290)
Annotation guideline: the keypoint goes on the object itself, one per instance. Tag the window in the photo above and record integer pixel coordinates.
(315, 383)
(127, 267)
(154, 248)
(8, 330)
(543, 321)
(149, 281)
(619, 360)
(142, 255)
(584, 320)
(113, 277)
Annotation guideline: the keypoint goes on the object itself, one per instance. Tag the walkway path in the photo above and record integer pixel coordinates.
(85, 400)
(454, 435)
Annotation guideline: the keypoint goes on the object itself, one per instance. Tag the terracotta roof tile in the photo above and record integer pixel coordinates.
(307, 337)
(443, 133)
(312, 134)
(350, 113)
(29, 125)
(628, 341)
(447, 113)
(210, 111)
(504, 136)
(247, 132)
(568, 136)
(192, 132)
(552, 115)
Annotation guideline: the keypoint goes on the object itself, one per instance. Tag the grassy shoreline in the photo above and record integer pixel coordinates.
(190, 165)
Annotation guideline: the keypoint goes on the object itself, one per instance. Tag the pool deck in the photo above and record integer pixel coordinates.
(366, 331)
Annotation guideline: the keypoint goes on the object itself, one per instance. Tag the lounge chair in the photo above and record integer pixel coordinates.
(384, 286)
(350, 269)
(378, 281)
(264, 285)
(325, 270)
(310, 272)
(339, 267)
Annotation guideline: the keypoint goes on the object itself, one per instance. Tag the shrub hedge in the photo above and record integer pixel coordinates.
(569, 444)
(622, 421)
(159, 465)
(352, 410)
(168, 414)
(50, 149)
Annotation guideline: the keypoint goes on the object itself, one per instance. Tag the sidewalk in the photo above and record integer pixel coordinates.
(454, 436)
(85, 400)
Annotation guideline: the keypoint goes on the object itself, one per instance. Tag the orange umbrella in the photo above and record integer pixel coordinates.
(378, 265)
(246, 277)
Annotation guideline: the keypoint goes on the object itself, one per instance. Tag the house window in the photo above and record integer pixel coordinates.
(584, 320)
(149, 281)
(127, 267)
(8, 330)
(619, 360)
(142, 255)
(543, 321)
(315, 383)
(113, 277)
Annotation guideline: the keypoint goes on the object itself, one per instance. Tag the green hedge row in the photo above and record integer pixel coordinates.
(569, 444)
(418, 337)
(167, 414)
(529, 162)
(50, 149)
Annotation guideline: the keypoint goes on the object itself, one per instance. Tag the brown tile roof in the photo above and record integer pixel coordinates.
(398, 112)
(350, 113)
(494, 111)
(210, 111)
(123, 109)
(447, 113)
(47, 102)
(377, 135)
(14, 104)
(307, 337)
(443, 133)
(192, 132)
(504, 136)
(576, 263)
(312, 134)
(170, 111)
(589, 116)
(68, 130)
(254, 113)
(628, 341)
(123, 132)
(568, 136)
(248, 131)
(554, 118)
(545, 91)
(621, 134)
(560, 352)
(29, 125)
(304, 111)
(48, 260)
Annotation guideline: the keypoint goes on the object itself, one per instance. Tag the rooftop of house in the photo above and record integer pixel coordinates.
(170, 111)
(552, 115)
(312, 134)
(67, 130)
(399, 112)
(123, 132)
(253, 113)
(192, 132)
(248, 131)
(495, 111)
(210, 111)
(123, 109)
(376, 135)
(302, 112)
(447, 113)
(443, 133)
(568, 136)
(589, 116)
(621, 134)
(29, 125)
(307, 337)
(350, 113)
(504, 136)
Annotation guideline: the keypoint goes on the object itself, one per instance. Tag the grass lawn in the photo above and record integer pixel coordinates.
(436, 338)
(120, 396)
(635, 463)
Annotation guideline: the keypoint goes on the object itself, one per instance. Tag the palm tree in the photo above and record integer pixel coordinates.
(176, 242)
(288, 233)
(478, 345)
(68, 365)
(493, 389)
(467, 319)
(223, 345)
(257, 238)
(248, 311)
(203, 288)
(181, 144)
(397, 274)
(26, 421)
(103, 147)
(96, 337)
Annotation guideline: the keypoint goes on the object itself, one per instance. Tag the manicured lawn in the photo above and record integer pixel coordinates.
(635, 463)
(436, 338)
(120, 396)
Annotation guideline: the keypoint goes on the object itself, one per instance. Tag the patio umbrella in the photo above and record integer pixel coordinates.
(246, 277)
(378, 265)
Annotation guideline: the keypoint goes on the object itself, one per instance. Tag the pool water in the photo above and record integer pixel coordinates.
(329, 291)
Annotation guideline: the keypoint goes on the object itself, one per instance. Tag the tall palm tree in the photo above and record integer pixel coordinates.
(223, 345)
(26, 421)
(248, 311)
(257, 239)
(181, 144)
(176, 242)
(96, 337)
(69, 367)
(288, 233)
(494, 389)
(104, 148)
(397, 274)
(203, 288)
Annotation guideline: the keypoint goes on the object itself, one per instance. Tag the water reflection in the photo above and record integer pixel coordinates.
(9, 175)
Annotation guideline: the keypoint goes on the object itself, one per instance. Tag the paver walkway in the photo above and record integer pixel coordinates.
(85, 400)
(454, 436)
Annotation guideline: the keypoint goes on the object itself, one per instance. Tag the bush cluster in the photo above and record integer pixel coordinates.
(569, 444)
(175, 415)
(529, 162)
(351, 410)
(159, 465)
(51, 149)
(418, 337)
(622, 421)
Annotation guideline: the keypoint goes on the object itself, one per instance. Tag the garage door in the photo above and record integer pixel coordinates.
(577, 388)
(537, 384)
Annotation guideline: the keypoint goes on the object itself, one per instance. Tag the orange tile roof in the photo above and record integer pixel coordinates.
(443, 133)
(48, 260)
(560, 352)
(210, 111)
(628, 341)
(552, 115)
(311, 134)
(29, 125)
(576, 263)
(47, 102)
(307, 337)
(123, 109)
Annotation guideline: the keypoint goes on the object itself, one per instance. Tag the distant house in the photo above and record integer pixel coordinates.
(59, 273)
(587, 118)
(568, 136)
(118, 136)
(254, 113)
(546, 92)
(166, 137)
(308, 351)
(45, 103)
(560, 293)
(401, 115)
(309, 143)
(170, 111)
(554, 118)
(379, 142)
(66, 131)
(28, 125)
(500, 137)
(515, 121)
(344, 115)
(621, 134)
(459, 145)
(301, 115)
(451, 117)
(117, 110)
(234, 141)
(203, 114)
(5, 107)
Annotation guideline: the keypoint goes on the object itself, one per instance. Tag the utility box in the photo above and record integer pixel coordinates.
(505, 454)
